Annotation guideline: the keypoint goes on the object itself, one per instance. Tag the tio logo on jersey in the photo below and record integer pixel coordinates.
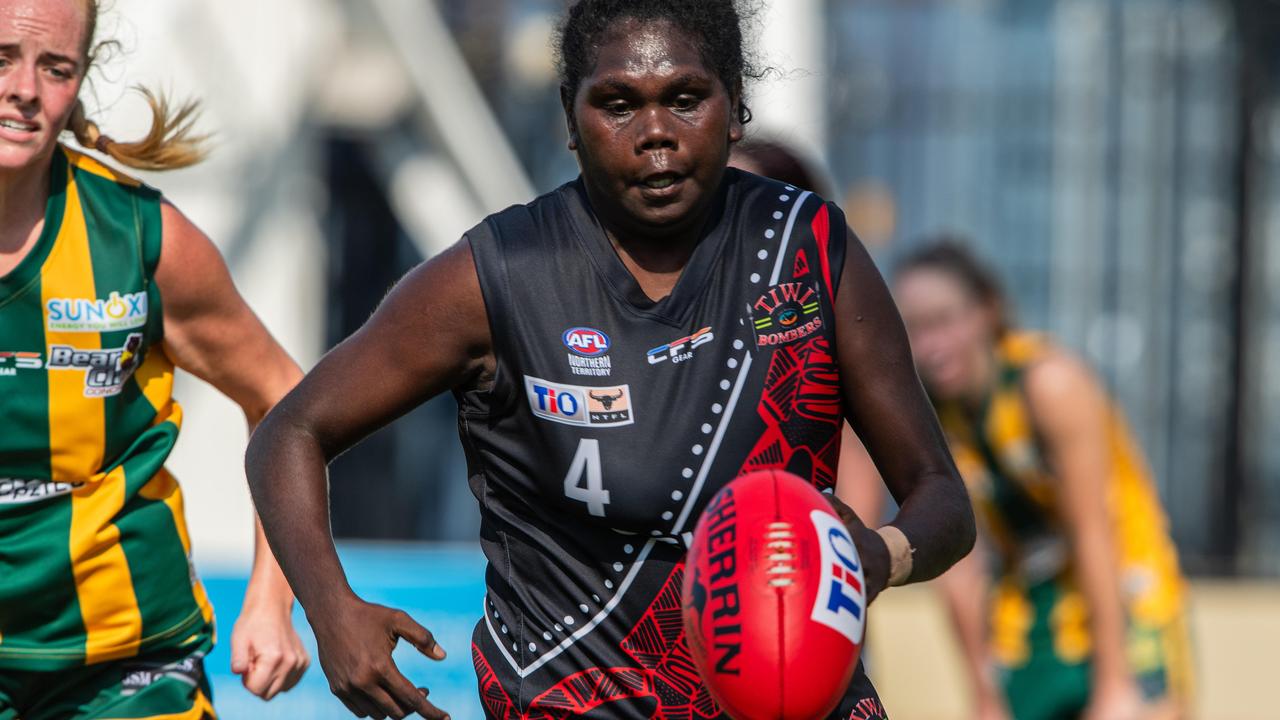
(588, 350)
(682, 349)
(608, 406)
(841, 599)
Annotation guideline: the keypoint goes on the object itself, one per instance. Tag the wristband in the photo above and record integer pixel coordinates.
(900, 554)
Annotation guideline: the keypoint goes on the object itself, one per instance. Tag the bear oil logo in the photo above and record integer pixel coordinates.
(588, 351)
(841, 598)
(105, 371)
(786, 313)
(681, 350)
(579, 405)
(12, 362)
(117, 312)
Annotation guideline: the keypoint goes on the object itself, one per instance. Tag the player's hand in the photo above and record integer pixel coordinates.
(1121, 701)
(355, 640)
(266, 651)
(872, 551)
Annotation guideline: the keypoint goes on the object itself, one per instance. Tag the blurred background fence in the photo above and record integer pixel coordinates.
(1118, 160)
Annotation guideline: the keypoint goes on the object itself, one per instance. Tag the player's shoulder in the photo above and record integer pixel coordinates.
(90, 165)
(525, 223)
(98, 177)
(1051, 374)
(769, 202)
(750, 188)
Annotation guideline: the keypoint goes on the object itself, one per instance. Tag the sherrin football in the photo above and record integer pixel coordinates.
(774, 605)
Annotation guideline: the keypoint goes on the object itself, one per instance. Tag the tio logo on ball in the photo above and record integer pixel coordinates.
(841, 598)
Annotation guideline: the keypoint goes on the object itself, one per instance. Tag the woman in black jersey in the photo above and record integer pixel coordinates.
(620, 348)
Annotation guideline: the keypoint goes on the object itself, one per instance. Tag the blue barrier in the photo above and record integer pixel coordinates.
(441, 587)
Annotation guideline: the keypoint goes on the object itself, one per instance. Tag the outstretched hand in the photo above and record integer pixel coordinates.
(872, 551)
(355, 640)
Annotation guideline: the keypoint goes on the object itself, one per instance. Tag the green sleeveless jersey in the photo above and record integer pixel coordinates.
(94, 551)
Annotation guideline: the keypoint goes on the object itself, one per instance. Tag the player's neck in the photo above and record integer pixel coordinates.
(984, 381)
(23, 194)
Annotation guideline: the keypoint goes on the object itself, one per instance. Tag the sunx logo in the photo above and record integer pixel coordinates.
(579, 405)
(585, 341)
(117, 312)
(681, 349)
(105, 370)
(841, 601)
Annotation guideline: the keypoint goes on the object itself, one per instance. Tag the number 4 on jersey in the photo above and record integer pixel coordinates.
(586, 466)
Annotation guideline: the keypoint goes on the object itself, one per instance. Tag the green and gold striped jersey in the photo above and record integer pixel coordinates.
(1018, 500)
(94, 551)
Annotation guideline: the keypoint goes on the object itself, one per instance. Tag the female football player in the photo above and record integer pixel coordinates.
(1080, 612)
(104, 288)
(621, 348)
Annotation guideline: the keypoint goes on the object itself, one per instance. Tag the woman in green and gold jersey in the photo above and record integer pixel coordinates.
(104, 288)
(1076, 609)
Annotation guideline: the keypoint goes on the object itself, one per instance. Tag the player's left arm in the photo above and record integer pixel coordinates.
(888, 408)
(210, 332)
(1070, 412)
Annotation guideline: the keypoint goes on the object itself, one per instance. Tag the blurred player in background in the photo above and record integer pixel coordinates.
(611, 378)
(1079, 610)
(104, 288)
(860, 486)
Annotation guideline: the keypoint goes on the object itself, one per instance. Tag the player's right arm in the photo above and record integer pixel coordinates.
(430, 334)
(965, 588)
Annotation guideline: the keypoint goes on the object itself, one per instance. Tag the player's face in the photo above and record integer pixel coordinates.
(652, 125)
(950, 331)
(41, 67)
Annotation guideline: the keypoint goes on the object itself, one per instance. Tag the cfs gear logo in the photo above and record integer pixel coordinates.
(579, 405)
(682, 349)
(105, 370)
(117, 312)
(841, 598)
(16, 491)
(588, 350)
(12, 362)
(786, 313)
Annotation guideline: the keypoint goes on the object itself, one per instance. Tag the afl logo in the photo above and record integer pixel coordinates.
(586, 342)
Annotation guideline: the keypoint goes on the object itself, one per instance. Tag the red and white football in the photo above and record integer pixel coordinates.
(774, 606)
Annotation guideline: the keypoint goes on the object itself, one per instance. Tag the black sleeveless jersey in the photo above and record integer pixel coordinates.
(612, 421)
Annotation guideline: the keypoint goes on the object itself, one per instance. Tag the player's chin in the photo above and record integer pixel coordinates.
(664, 212)
(17, 156)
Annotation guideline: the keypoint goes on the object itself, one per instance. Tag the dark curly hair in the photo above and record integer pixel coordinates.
(715, 25)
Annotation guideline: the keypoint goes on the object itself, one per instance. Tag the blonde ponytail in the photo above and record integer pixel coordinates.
(171, 143)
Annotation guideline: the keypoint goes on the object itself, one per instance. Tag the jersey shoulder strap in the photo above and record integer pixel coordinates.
(509, 248)
(118, 207)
